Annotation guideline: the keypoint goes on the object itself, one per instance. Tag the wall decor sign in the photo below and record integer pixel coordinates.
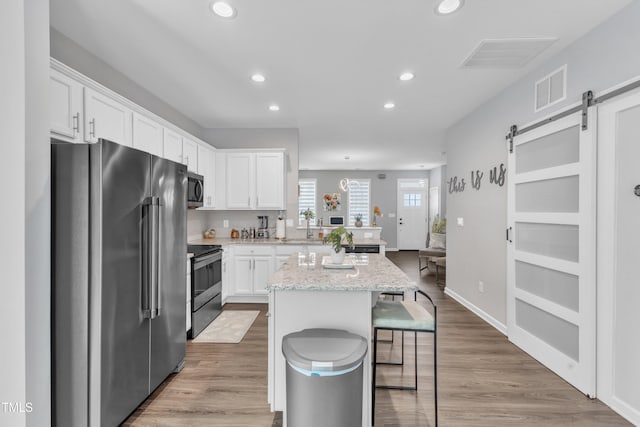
(497, 176)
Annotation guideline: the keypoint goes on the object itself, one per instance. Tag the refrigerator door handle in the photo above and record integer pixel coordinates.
(146, 258)
(154, 249)
(150, 263)
(158, 278)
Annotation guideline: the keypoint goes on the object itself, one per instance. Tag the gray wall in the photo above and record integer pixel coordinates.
(438, 177)
(24, 217)
(383, 194)
(603, 58)
(70, 53)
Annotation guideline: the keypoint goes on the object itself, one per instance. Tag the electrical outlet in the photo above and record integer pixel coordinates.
(460, 222)
(392, 214)
(225, 223)
(289, 222)
(481, 286)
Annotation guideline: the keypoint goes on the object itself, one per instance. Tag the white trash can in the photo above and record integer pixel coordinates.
(324, 378)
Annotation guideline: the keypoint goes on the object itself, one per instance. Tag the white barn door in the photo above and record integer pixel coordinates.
(551, 307)
(619, 255)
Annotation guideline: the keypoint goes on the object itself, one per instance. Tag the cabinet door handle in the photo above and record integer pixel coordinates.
(92, 128)
(76, 123)
(249, 201)
(257, 201)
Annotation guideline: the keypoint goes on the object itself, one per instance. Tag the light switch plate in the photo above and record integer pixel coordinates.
(460, 222)
(225, 223)
(392, 214)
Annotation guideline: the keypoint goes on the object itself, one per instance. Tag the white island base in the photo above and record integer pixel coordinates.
(304, 295)
(293, 310)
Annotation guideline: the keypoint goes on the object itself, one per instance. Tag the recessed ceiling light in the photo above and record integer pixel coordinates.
(274, 107)
(405, 77)
(445, 7)
(258, 78)
(223, 9)
(389, 105)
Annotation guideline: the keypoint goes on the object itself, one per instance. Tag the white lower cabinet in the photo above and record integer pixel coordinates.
(248, 267)
(252, 267)
(227, 273)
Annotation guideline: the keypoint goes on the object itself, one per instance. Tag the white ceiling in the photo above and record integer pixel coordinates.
(330, 65)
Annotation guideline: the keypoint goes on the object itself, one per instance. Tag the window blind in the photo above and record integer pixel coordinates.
(306, 198)
(359, 203)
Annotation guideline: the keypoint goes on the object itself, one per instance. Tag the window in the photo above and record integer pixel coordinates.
(412, 199)
(306, 198)
(359, 192)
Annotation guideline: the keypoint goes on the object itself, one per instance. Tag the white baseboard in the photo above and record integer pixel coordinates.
(248, 299)
(623, 409)
(501, 327)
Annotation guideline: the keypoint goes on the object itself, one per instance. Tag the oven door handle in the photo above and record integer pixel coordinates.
(202, 261)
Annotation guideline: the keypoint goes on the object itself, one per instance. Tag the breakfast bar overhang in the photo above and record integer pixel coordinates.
(305, 294)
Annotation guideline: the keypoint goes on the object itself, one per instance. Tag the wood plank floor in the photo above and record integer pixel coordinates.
(483, 379)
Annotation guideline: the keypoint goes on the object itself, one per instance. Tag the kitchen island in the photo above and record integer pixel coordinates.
(304, 294)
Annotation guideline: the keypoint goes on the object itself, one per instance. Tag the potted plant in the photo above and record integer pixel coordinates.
(358, 218)
(335, 239)
(438, 237)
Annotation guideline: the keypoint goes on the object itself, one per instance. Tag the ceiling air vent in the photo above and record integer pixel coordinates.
(551, 89)
(506, 53)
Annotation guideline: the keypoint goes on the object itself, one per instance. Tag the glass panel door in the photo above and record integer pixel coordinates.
(551, 249)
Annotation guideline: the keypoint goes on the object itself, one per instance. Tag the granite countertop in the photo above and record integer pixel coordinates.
(372, 272)
(278, 242)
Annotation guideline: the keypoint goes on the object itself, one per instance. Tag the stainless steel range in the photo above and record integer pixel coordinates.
(206, 286)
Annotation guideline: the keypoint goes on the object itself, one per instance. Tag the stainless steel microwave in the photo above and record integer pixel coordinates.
(195, 193)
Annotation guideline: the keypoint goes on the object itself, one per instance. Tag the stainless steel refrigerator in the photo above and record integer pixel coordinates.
(118, 279)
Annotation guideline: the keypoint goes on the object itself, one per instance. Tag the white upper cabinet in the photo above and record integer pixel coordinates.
(240, 179)
(105, 118)
(252, 180)
(172, 145)
(147, 135)
(65, 106)
(206, 168)
(190, 154)
(220, 179)
(270, 180)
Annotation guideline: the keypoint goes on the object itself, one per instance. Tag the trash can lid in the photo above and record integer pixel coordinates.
(324, 349)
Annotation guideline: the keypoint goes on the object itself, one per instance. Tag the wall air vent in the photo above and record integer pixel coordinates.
(551, 89)
(506, 53)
